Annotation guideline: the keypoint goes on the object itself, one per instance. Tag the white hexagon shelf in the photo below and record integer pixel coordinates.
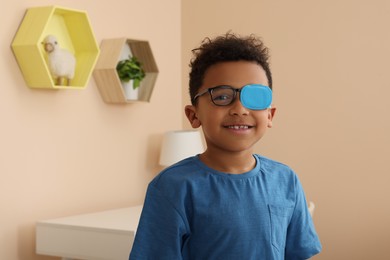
(106, 76)
(73, 32)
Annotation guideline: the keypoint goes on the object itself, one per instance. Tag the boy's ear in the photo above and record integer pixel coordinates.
(190, 111)
(271, 114)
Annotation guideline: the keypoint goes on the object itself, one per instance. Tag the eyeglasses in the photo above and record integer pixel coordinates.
(253, 96)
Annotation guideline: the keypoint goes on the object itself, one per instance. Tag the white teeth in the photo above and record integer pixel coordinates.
(237, 127)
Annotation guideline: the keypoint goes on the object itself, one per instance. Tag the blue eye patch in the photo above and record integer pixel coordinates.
(256, 97)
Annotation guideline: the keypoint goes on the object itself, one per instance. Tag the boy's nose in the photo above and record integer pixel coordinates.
(236, 108)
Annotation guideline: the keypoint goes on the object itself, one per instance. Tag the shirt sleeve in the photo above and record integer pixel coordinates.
(160, 231)
(302, 241)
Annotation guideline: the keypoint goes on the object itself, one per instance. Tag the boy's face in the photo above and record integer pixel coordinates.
(231, 128)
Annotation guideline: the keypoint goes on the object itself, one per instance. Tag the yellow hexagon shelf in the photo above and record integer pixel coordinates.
(106, 76)
(73, 32)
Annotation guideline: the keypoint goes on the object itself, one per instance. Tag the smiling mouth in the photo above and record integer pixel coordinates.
(238, 127)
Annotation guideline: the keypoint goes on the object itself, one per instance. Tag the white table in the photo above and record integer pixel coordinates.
(106, 235)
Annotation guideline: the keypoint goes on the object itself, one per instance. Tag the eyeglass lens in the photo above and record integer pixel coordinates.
(223, 95)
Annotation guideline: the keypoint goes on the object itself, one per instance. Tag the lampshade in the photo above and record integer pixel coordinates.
(178, 145)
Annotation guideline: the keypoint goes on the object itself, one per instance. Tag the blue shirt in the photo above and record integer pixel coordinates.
(194, 212)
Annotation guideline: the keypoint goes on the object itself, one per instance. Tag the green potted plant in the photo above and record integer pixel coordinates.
(131, 74)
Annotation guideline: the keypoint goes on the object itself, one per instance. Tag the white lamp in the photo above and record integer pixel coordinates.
(178, 145)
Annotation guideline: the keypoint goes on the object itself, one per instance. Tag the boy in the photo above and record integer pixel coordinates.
(227, 203)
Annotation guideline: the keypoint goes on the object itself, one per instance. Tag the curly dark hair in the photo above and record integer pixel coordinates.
(228, 47)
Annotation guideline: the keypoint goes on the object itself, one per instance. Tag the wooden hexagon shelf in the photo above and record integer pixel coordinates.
(73, 32)
(106, 76)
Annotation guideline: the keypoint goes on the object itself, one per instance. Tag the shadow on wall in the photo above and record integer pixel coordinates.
(153, 154)
(26, 243)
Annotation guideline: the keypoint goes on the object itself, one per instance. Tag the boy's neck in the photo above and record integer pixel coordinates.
(229, 162)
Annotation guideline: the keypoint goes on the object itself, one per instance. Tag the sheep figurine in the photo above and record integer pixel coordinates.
(61, 62)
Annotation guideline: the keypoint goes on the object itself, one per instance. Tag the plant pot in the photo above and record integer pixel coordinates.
(130, 92)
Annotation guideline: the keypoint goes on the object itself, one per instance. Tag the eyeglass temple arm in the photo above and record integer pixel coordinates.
(200, 94)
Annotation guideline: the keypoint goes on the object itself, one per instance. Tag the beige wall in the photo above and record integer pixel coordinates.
(67, 152)
(330, 61)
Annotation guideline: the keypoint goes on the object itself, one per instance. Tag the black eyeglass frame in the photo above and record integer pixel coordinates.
(210, 91)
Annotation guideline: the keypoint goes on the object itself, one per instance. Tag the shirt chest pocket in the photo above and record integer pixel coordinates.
(279, 219)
